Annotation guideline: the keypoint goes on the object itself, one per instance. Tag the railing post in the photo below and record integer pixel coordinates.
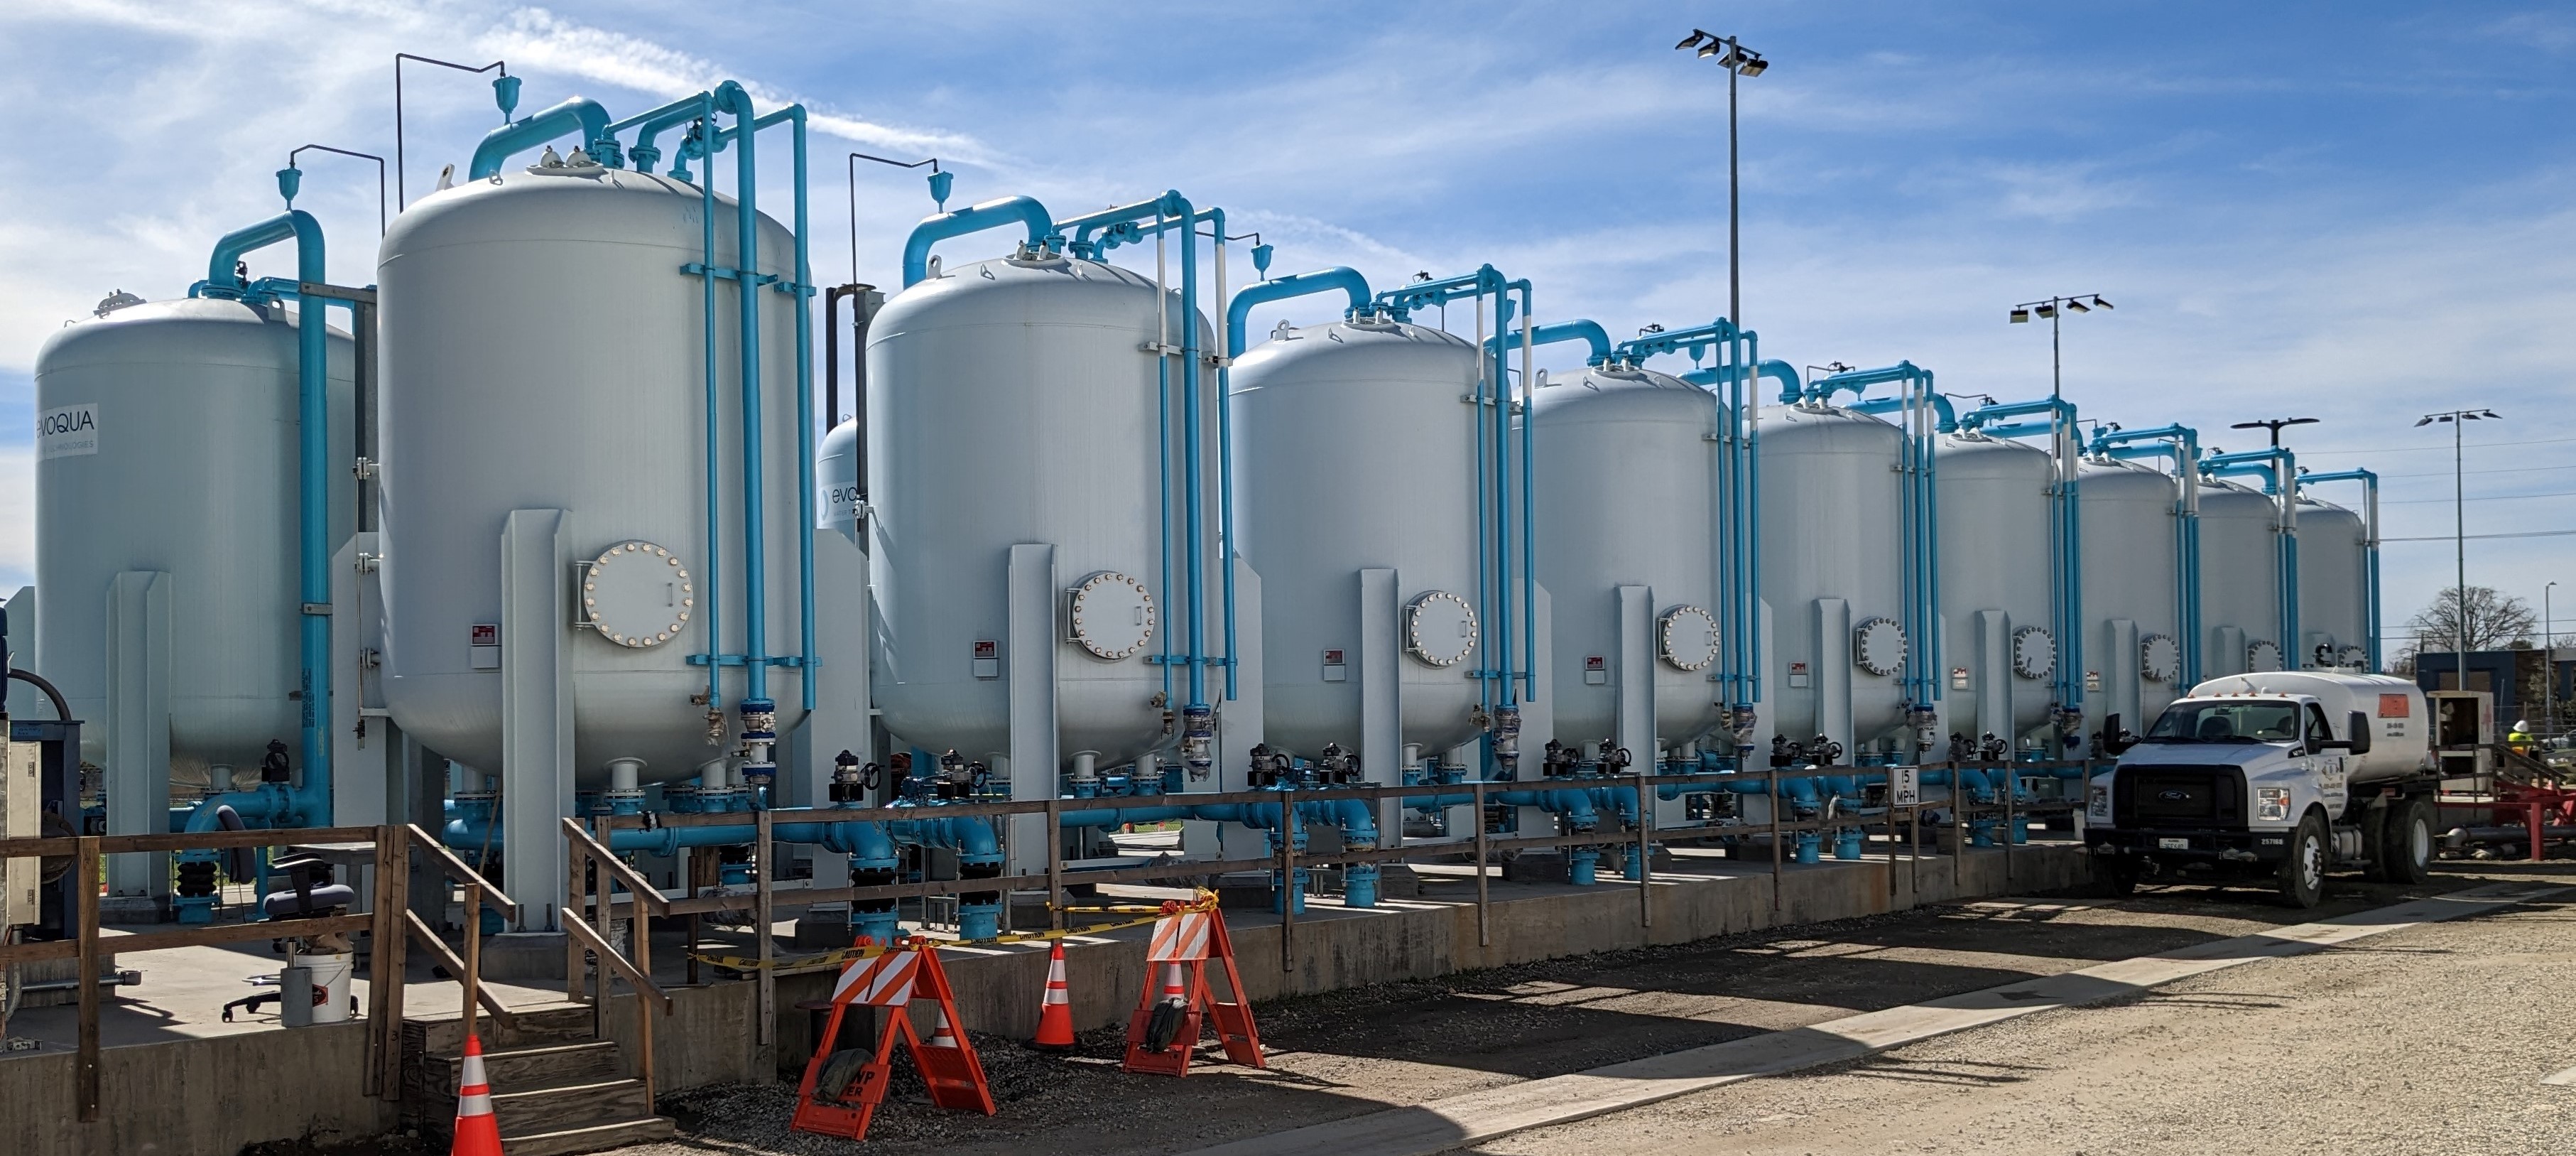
(473, 978)
(1484, 927)
(86, 911)
(386, 962)
(1055, 863)
(762, 939)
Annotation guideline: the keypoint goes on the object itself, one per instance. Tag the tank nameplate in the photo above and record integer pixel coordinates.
(1112, 616)
(1878, 646)
(2159, 658)
(637, 594)
(2034, 652)
(1440, 628)
(1687, 638)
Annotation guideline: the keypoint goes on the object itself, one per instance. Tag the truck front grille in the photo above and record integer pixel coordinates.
(2181, 797)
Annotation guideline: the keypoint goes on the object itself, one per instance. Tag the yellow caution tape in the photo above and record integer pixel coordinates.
(1204, 901)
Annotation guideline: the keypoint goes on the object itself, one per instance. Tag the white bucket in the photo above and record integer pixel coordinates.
(330, 985)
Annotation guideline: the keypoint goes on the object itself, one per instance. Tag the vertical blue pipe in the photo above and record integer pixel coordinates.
(1193, 428)
(1529, 503)
(704, 135)
(1224, 469)
(730, 97)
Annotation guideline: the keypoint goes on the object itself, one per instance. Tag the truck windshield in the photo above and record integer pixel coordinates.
(2227, 722)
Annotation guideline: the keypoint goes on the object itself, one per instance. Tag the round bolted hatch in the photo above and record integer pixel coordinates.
(1878, 646)
(1687, 638)
(2262, 656)
(2034, 652)
(637, 594)
(2159, 658)
(1440, 628)
(1113, 615)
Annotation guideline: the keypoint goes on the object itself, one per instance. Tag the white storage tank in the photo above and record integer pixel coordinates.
(2334, 593)
(167, 441)
(1626, 478)
(2132, 596)
(543, 350)
(1833, 520)
(1015, 401)
(2240, 607)
(1995, 512)
(1353, 451)
(2401, 738)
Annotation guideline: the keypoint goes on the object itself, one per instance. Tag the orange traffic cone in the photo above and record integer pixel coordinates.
(478, 1131)
(1055, 1016)
(942, 1038)
(1164, 1026)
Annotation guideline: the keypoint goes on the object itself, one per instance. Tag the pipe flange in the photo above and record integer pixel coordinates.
(2034, 652)
(1440, 628)
(2262, 656)
(1111, 616)
(637, 595)
(1686, 638)
(1878, 646)
(2159, 658)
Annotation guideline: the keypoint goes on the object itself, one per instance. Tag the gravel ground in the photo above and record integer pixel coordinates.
(2426, 1040)
(1344, 1053)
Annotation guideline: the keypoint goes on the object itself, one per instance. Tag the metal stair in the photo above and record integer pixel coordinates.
(555, 1088)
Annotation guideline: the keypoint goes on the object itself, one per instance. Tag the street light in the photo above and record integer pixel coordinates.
(2548, 664)
(2274, 424)
(2459, 524)
(1737, 60)
(2049, 309)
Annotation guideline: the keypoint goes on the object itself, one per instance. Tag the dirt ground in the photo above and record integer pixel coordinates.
(1357, 1051)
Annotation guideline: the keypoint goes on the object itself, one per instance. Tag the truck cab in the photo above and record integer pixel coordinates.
(2285, 775)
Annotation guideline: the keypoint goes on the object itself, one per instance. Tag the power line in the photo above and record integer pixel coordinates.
(2420, 449)
(2500, 470)
(2450, 537)
(2480, 498)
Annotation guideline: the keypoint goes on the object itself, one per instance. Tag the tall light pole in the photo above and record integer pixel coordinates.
(2459, 525)
(1737, 60)
(2548, 663)
(2050, 310)
(2274, 424)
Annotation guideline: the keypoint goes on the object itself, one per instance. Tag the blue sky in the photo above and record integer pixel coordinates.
(2355, 211)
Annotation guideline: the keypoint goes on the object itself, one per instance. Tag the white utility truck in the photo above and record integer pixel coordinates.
(2286, 774)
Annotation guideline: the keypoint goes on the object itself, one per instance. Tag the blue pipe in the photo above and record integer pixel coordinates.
(1921, 620)
(2066, 581)
(311, 802)
(2279, 468)
(1239, 311)
(730, 98)
(1588, 332)
(994, 214)
(650, 125)
(1944, 414)
(498, 145)
(1740, 366)
(2182, 444)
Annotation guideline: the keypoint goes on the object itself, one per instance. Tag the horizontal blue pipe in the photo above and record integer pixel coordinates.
(994, 214)
(1239, 311)
(1946, 418)
(498, 145)
(1588, 332)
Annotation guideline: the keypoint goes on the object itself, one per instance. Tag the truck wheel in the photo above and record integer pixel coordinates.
(2405, 852)
(2303, 873)
(2120, 876)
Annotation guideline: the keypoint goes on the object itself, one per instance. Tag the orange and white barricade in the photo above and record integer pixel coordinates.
(840, 1093)
(1176, 1002)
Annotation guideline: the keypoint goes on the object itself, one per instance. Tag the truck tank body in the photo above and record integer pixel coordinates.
(2238, 590)
(2401, 741)
(1626, 477)
(1833, 519)
(1353, 451)
(543, 350)
(1994, 513)
(2129, 519)
(1014, 401)
(2334, 595)
(169, 443)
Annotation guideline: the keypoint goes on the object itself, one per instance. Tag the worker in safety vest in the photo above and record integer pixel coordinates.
(2519, 738)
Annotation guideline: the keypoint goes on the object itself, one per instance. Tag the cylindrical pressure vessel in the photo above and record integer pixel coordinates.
(2334, 595)
(166, 474)
(1627, 482)
(1017, 402)
(1833, 571)
(546, 379)
(2131, 590)
(1995, 582)
(2240, 608)
(1353, 450)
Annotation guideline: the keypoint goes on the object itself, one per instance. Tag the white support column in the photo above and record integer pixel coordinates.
(1538, 706)
(536, 709)
(1238, 723)
(2121, 674)
(362, 740)
(1028, 665)
(1635, 664)
(1834, 673)
(1381, 675)
(1994, 677)
(138, 726)
(2226, 653)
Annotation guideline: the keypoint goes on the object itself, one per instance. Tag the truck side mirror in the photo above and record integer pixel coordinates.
(2359, 728)
(2115, 740)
